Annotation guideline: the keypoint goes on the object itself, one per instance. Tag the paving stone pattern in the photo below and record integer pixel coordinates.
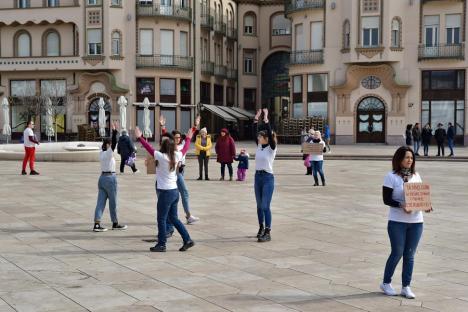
(328, 250)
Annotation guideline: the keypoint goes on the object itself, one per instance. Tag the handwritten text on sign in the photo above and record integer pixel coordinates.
(312, 148)
(418, 196)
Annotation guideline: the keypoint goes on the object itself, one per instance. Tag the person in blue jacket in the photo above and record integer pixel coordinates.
(451, 137)
(326, 137)
(243, 159)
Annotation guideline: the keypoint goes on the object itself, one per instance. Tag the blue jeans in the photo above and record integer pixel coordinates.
(264, 186)
(451, 145)
(183, 192)
(404, 238)
(426, 149)
(416, 145)
(167, 210)
(107, 186)
(317, 167)
(169, 226)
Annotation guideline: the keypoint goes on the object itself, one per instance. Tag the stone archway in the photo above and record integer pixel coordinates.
(370, 120)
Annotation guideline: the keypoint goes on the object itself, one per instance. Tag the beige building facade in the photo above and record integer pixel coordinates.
(368, 67)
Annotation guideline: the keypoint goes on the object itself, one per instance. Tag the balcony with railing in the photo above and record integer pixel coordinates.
(220, 27)
(298, 5)
(306, 57)
(207, 68)
(231, 74)
(165, 61)
(232, 33)
(220, 71)
(206, 20)
(159, 10)
(441, 51)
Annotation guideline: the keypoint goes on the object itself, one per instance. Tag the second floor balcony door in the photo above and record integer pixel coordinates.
(431, 35)
(166, 7)
(167, 47)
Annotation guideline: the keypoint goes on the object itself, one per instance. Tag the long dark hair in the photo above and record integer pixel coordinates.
(168, 147)
(264, 134)
(398, 157)
(105, 142)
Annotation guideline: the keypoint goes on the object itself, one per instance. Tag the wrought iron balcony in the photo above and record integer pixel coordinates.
(297, 5)
(442, 51)
(220, 28)
(164, 61)
(232, 33)
(306, 57)
(220, 71)
(232, 73)
(207, 68)
(171, 11)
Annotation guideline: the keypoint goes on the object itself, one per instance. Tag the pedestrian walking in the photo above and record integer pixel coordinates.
(327, 137)
(243, 166)
(451, 138)
(306, 157)
(440, 135)
(404, 226)
(416, 133)
(317, 160)
(29, 141)
(408, 134)
(264, 183)
(168, 162)
(107, 185)
(203, 147)
(182, 145)
(126, 149)
(225, 152)
(426, 136)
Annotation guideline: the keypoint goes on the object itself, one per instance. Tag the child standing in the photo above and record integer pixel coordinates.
(243, 159)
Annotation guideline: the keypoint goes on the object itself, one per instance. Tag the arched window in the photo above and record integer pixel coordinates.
(22, 44)
(51, 43)
(116, 43)
(346, 35)
(396, 32)
(280, 25)
(250, 21)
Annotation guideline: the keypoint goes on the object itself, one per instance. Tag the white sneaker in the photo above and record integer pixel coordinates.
(136, 171)
(192, 219)
(406, 292)
(388, 289)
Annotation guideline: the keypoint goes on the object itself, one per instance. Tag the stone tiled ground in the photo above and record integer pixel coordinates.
(328, 250)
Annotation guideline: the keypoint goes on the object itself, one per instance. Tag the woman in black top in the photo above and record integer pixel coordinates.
(426, 136)
(408, 135)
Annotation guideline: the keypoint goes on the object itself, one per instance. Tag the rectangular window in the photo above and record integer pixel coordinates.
(316, 32)
(53, 88)
(249, 61)
(170, 115)
(205, 92)
(317, 109)
(146, 42)
(94, 41)
(297, 84)
(453, 23)
(23, 4)
(92, 2)
(185, 120)
(22, 88)
(250, 99)
(370, 31)
(145, 88)
(167, 47)
(317, 83)
(299, 37)
(185, 91)
(167, 90)
(53, 3)
(116, 44)
(116, 2)
(298, 112)
(249, 21)
(183, 43)
(218, 94)
(431, 30)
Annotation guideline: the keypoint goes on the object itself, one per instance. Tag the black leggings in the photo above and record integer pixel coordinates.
(203, 161)
(223, 169)
(122, 165)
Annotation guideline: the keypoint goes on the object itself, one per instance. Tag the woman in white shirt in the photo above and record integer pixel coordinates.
(264, 179)
(107, 185)
(405, 227)
(168, 162)
(316, 161)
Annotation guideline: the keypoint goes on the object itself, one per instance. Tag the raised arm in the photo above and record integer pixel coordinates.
(255, 126)
(188, 139)
(271, 140)
(143, 142)
(114, 136)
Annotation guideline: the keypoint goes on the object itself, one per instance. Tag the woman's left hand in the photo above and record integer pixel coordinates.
(137, 132)
(429, 210)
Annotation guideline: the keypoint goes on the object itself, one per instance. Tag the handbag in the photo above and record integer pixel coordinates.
(131, 160)
(307, 161)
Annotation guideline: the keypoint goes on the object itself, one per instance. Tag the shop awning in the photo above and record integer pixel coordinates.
(243, 112)
(219, 112)
(234, 113)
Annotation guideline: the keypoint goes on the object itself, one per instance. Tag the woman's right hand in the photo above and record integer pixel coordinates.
(259, 113)
(137, 132)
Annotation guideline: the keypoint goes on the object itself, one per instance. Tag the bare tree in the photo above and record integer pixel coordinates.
(24, 94)
(56, 91)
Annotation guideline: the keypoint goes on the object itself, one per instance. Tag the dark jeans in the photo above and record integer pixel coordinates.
(264, 186)
(317, 167)
(451, 145)
(167, 211)
(203, 162)
(426, 149)
(440, 147)
(122, 164)
(223, 169)
(404, 239)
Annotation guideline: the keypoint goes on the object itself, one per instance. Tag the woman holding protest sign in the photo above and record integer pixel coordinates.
(405, 227)
(316, 159)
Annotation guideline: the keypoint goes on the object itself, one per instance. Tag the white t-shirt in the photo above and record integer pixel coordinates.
(107, 160)
(166, 179)
(26, 134)
(394, 181)
(264, 158)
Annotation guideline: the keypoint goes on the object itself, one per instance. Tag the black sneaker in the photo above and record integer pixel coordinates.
(199, 179)
(99, 228)
(158, 248)
(187, 245)
(34, 172)
(207, 179)
(266, 237)
(261, 230)
(24, 172)
(117, 226)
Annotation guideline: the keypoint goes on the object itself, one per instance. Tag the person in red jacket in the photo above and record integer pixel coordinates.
(226, 152)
